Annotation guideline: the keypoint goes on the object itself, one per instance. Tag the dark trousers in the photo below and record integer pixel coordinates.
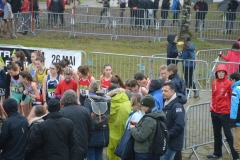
(133, 14)
(103, 11)
(145, 156)
(229, 26)
(175, 18)
(55, 18)
(197, 23)
(188, 76)
(220, 121)
(178, 155)
(154, 16)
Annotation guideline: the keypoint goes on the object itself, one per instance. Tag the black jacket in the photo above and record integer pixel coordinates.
(156, 4)
(132, 3)
(2, 78)
(231, 10)
(13, 137)
(83, 125)
(172, 51)
(57, 6)
(55, 137)
(202, 10)
(16, 5)
(33, 128)
(100, 137)
(179, 84)
(175, 122)
(165, 4)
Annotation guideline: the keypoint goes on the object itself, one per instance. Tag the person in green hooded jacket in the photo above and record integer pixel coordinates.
(143, 132)
(120, 108)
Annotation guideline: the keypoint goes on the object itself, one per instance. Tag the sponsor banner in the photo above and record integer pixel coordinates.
(51, 55)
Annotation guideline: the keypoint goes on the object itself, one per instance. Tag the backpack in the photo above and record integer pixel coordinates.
(158, 147)
(100, 114)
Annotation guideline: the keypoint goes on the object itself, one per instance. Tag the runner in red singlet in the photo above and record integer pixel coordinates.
(84, 81)
(105, 82)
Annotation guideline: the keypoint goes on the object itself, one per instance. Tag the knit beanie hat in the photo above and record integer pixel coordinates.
(148, 101)
(53, 105)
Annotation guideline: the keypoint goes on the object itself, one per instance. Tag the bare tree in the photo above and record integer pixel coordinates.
(185, 18)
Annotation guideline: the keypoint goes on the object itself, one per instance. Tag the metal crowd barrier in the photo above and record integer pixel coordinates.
(199, 73)
(198, 128)
(123, 65)
(210, 54)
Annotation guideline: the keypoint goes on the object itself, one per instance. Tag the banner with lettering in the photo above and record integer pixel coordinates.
(51, 55)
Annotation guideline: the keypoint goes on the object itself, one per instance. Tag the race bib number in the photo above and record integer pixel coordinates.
(84, 92)
(104, 90)
(17, 90)
(2, 91)
(51, 95)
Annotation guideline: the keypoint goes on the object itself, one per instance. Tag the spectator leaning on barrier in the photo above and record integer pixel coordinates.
(220, 112)
(164, 11)
(122, 7)
(57, 7)
(231, 16)
(106, 6)
(176, 6)
(172, 51)
(16, 8)
(235, 111)
(132, 4)
(175, 122)
(201, 9)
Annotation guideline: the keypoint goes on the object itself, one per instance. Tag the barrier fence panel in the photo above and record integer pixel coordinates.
(210, 55)
(92, 27)
(135, 27)
(196, 76)
(23, 22)
(198, 128)
(51, 22)
(122, 64)
(219, 30)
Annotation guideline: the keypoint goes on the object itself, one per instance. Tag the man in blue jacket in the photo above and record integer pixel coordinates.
(175, 113)
(234, 111)
(13, 137)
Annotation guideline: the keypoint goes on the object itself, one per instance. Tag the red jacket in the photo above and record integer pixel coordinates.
(25, 6)
(48, 2)
(221, 93)
(232, 56)
(63, 86)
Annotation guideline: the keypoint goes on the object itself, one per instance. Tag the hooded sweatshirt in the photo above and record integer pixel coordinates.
(172, 51)
(13, 137)
(232, 56)
(155, 89)
(221, 93)
(175, 121)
